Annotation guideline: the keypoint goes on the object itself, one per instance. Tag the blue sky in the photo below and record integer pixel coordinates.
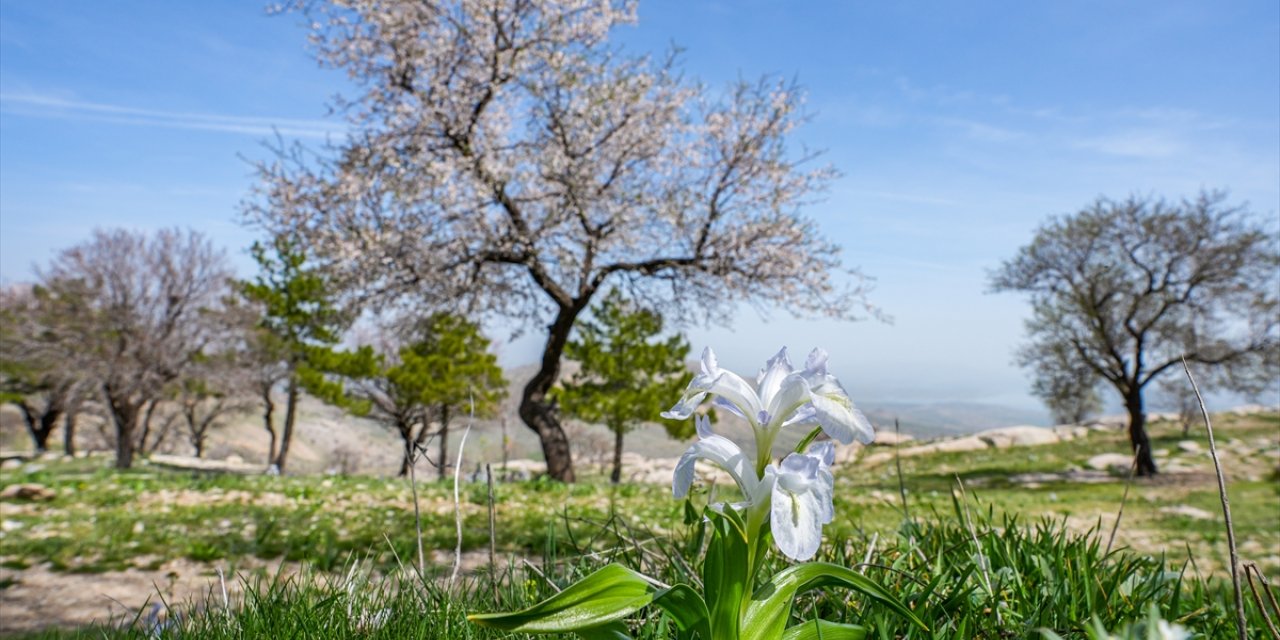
(958, 127)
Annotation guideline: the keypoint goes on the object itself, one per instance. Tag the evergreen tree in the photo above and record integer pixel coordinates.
(628, 375)
(301, 325)
(439, 368)
(457, 372)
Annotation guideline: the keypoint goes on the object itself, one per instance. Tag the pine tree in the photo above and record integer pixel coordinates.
(628, 375)
(457, 373)
(302, 324)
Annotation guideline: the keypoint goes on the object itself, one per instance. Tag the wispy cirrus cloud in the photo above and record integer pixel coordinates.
(35, 105)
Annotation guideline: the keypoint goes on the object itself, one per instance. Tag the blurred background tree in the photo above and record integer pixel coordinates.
(627, 374)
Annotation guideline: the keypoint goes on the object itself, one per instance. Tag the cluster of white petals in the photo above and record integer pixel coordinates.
(797, 491)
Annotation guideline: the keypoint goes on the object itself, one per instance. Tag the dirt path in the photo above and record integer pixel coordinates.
(37, 598)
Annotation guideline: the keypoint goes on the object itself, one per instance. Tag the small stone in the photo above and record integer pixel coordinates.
(1160, 453)
(1020, 436)
(1189, 446)
(32, 492)
(889, 438)
(1110, 462)
(1188, 511)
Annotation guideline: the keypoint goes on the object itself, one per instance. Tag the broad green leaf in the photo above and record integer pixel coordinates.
(725, 574)
(687, 608)
(604, 597)
(611, 631)
(825, 630)
(770, 608)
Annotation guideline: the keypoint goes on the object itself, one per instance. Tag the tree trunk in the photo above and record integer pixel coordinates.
(444, 441)
(616, 476)
(268, 421)
(537, 412)
(124, 414)
(1138, 433)
(406, 435)
(290, 416)
(69, 431)
(41, 426)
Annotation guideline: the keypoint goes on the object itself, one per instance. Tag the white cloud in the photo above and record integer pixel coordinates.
(1134, 144)
(45, 106)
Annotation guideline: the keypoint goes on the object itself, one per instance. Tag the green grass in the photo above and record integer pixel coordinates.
(1042, 577)
(1041, 544)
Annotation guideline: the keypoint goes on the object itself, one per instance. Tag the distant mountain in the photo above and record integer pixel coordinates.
(933, 419)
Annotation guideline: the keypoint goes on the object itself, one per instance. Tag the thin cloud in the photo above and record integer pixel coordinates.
(1135, 144)
(44, 106)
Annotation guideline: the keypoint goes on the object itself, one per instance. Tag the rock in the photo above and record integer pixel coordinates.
(10, 464)
(1020, 436)
(1071, 432)
(876, 459)
(202, 464)
(1188, 511)
(1115, 462)
(1160, 453)
(522, 469)
(889, 438)
(1189, 446)
(967, 443)
(32, 492)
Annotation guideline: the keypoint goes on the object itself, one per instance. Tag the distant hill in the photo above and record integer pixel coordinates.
(933, 419)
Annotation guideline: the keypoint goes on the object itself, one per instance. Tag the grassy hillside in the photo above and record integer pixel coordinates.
(100, 526)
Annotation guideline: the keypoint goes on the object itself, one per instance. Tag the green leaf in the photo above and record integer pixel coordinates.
(611, 631)
(725, 573)
(825, 630)
(770, 608)
(808, 440)
(687, 608)
(604, 597)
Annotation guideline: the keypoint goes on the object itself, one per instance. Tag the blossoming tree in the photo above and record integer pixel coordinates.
(505, 159)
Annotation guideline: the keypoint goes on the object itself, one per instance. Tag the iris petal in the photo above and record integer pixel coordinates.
(796, 521)
(725, 454)
(769, 381)
(835, 412)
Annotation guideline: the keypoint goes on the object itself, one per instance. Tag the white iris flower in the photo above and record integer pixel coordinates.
(796, 494)
(800, 500)
(783, 397)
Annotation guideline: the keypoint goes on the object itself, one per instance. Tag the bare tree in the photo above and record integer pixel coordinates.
(505, 160)
(34, 372)
(216, 387)
(1129, 288)
(132, 307)
(1068, 387)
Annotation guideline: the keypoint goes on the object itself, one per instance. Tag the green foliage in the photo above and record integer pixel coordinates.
(450, 366)
(302, 324)
(628, 375)
(604, 597)
(298, 308)
(1046, 573)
